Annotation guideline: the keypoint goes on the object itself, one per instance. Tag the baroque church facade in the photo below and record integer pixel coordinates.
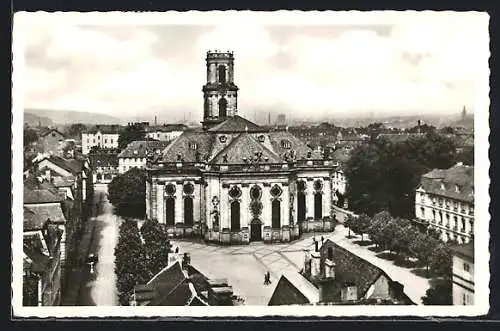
(233, 181)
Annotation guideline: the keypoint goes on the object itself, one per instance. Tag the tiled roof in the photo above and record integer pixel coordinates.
(183, 146)
(294, 289)
(35, 216)
(458, 175)
(167, 128)
(245, 145)
(64, 181)
(41, 196)
(349, 268)
(141, 148)
(298, 146)
(44, 132)
(169, 287)
(75, 166)
(39, 261)
(107, 159)
(237, 124)
(464, 250)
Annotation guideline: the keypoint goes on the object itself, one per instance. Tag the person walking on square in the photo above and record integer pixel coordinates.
(268, 278)
(265, 279)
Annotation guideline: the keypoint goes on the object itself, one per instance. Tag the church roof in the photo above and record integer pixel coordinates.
(237, 124)
(278, 138)
(245, 146)
(188, 145)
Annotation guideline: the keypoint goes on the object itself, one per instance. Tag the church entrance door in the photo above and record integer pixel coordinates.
(255, 232)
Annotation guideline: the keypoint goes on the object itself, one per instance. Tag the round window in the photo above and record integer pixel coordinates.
(170, 189)
(188, 188)
(318, 185)
(276, 191)
(255, 192)
(301, 186)
(235, 192)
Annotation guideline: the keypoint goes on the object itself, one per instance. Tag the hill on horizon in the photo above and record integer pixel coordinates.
(70, 117)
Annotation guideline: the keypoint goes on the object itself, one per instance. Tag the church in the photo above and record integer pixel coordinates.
(232, 181)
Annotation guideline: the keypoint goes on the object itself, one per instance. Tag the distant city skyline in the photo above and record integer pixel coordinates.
(423, 64)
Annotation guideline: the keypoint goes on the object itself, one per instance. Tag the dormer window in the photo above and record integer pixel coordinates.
(457, 189)
(135, 152)
(222, 139)
(443, 187)
(286, 144)
(193, 146)
(261, 138)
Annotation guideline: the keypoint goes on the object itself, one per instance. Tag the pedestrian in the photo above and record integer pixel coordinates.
(322, 239)
(268, 278)
(177, 250)
(265, 279)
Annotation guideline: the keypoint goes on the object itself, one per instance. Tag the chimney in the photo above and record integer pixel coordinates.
(329, 269)
(219, 292)
(315, 264)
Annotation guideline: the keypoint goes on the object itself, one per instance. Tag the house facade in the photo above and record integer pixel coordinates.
(463, 274)
(444, 200)
(135, 154)
(51, 141)
(99, 138)
(233, 181)
(167, 132)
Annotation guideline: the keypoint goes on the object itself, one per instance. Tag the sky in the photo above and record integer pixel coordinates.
(302, 67)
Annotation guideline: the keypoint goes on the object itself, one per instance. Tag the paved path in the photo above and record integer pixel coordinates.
(244, 266)
(100, 289)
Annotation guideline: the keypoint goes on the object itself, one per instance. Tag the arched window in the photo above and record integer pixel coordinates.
(188, 211)
(301, 206)
(170, 211)
(235, 216)
(276, 214)
(222, 107)
(222, 74)
(318, 206)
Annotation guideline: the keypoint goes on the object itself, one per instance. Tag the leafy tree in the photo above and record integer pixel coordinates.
(29, 136)
(350, 223)
(379, 221)
(388, 235)
(440, 261)
(440, 294)
(127, 192)
(466, 156)
(156, 244)
(131, 133)
(130, 261)
(362, 224)
(75, 130)
(382, 175)
(448, 130)
(422, 247)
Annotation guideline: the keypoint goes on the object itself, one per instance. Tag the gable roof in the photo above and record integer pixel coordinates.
(181, 146)
(458, 175)
(298, 146)
(244, 145)
(75, 166)
(237, 124)
(35, 216)
(464, 250)
(349, 268)
(45, 132)
(141, 148)
(170, 287)
(294, 289)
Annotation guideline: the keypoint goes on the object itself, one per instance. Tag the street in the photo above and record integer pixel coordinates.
(100, 286)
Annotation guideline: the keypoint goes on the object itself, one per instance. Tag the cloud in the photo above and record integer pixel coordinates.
(426, 63)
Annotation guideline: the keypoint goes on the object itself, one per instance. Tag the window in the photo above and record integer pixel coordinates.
(286, 144)
(255, 193)
(188, 211)
(422, 212)
(170, 211)
(261, 138)
(276, 191)
(222, 139)
(318, 206)
(193, 146)
(235, 216)
(276, 214)
(330, 253)
(235, 192)
(222, 74)
(222, 107)
(466, 267)
(188, 189)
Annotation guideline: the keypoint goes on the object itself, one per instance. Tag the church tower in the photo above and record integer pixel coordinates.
(220, 94)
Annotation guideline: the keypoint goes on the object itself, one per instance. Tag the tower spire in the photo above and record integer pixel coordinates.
(220, 94)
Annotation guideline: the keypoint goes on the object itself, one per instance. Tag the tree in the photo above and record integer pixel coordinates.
(350, 224)
(127, 192)
(382, 175)
(361, 225)
(130, 261)
(440, 261)
(422, 247)
(29, 136)
(466, 156)
(75, 130)
(440, 294)
(131, 133)
(379, 221)
(157, 246)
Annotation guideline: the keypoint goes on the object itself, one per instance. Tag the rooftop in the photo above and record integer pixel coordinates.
(141, 148)
(456, 182)
(464, 250)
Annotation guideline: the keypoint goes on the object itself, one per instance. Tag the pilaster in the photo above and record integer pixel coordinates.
(309, 199)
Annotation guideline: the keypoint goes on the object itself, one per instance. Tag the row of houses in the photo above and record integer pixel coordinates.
(57, 197)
